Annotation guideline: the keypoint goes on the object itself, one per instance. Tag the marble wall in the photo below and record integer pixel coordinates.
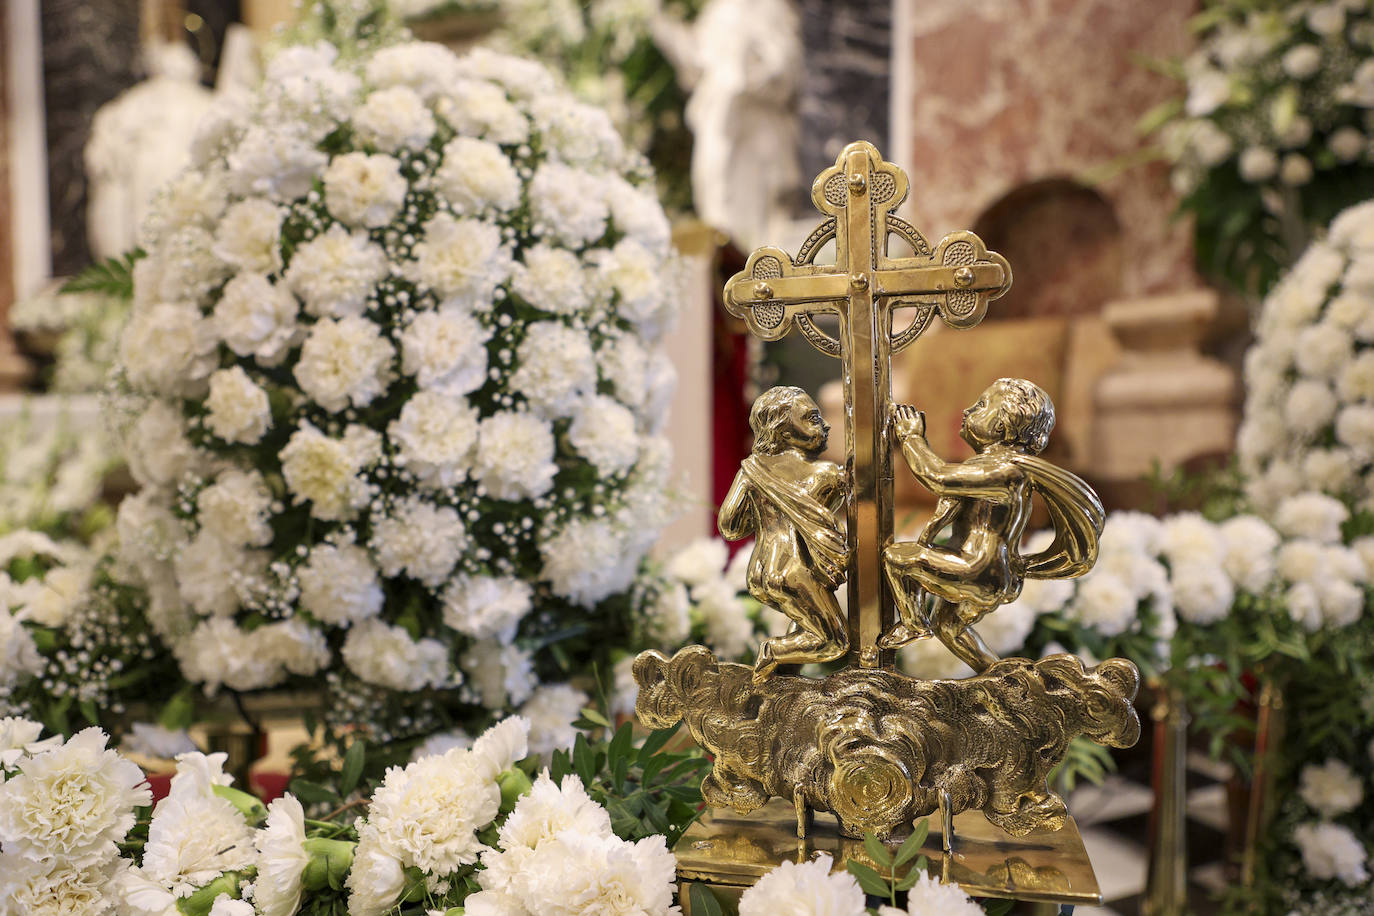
(1007, 93)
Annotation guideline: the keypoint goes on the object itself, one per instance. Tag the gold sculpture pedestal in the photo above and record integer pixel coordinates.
(1047, 870)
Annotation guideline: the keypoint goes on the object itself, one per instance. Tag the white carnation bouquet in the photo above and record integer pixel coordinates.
(1271, 135)
(396, 388)
(1309, 378)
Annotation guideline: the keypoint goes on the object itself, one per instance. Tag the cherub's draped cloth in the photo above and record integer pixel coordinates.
(813, 521)
(1076, 513)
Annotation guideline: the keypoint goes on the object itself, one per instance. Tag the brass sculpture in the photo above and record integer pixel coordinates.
(787, 498)
(872, 745)
(986, 500)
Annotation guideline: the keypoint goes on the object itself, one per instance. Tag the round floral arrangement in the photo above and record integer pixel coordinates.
(1272, 134)
(1309, 378)
(396, 387)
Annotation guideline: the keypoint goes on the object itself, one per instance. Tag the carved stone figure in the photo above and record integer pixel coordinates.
(986, 500)
(786, 498)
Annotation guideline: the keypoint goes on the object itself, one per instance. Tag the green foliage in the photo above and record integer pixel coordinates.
(900, 870)
(111, 277)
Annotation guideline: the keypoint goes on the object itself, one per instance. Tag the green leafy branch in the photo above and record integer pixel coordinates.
(111, 277)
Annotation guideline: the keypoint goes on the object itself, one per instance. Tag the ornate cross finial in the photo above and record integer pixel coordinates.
(859, 195)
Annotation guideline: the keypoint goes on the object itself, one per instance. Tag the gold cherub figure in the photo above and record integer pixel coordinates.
(986, 500)
(787, 497)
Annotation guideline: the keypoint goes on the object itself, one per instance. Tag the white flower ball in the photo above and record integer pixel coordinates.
(387, 656)
(257, 318)
(339, 584)
(514, 457)
(394, 119)
(336, 272)
(555, 368)
(238, 410)
(364, 190)
(487, 607)
(476, 177)
(345, 361)
(604, 432)
(248, 236)
(436, 436)
(420, 539)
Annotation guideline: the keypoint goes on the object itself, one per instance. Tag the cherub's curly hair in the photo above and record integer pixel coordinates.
(1029, 414)
(769, 416)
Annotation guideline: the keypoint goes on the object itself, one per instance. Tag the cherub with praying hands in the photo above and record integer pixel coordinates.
(986, 502)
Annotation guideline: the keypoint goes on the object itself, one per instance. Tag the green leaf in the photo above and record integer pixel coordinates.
(352, 767)
(911, 846)
(998, 907)
(622, 743)
(312, 793)
(593, 715)
(704, 903)
(878, 851)
(584, 760)
(112, 277)
(656, 741)
(872, 882)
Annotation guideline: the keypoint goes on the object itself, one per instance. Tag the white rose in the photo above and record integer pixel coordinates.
(446, 351)
(387, 656)
(339, 584)
(476, 177)
(336, 272)
(462, 260)
(257, 318)
(394, 119)
(514, 457)
(364, 190)
(237, 409)
(436, 435)
(236, 509)
(324, 471)
(487, 607)
(248, 236)
(168, 349)
(421, 539)
(345, 360)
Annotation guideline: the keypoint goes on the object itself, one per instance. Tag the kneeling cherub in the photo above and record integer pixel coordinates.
(986, 501)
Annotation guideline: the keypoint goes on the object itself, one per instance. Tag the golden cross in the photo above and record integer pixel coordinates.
(863, 287)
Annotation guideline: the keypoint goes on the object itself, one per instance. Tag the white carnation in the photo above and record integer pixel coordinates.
(274, 163)
(420, 539)
(638, 214)
(574, 132)
(1331, 470)
(1105, 603)
(237, 410)
(567, 205)
(603, 431)
(211, 572)
(376, 880)
(248, 236)
(476, 177)
(668, 619)
(195, 835)
(515, 455)
(426, 67)
(1190, 538)
(364, 190)
(1310, 405)
(345, 360)
(586, 561)
(700, 562)
(549, 809)
(427, 814)
(635, 276)
(336, 272)
(1315, 516)
(487, 607)
(1341, 601)
(325, 471)
(729, 631)
(1250, 545)
(1301, 560)
(387, 656)
(1304, 606)
(1356, 382)
(552, 279)
(577, 873)
(1323, 350)
(928, 897)
(57, 888)
(1258, 163)
(1331, 789)
(257, 318)
(1202, 592)
(551, 712)
(236, 508)
(72, 802)
(445, 351)
(294, 645)
(158, 450)
(1331, 851)
(281, 859)
(339, 584)
(168, 349)
(394, 119)
(810, 888)
(625, 364)
(1355, 428)
(1005, 629)
(480, 109)
(556, 368)
(501, 674)
(462, 260)
(436, 435)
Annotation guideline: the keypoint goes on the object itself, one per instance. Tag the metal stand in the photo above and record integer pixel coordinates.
(1049, 872)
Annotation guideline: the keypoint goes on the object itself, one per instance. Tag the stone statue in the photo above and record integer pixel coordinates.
(787, 498)
(987, 501)
(741, 61)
